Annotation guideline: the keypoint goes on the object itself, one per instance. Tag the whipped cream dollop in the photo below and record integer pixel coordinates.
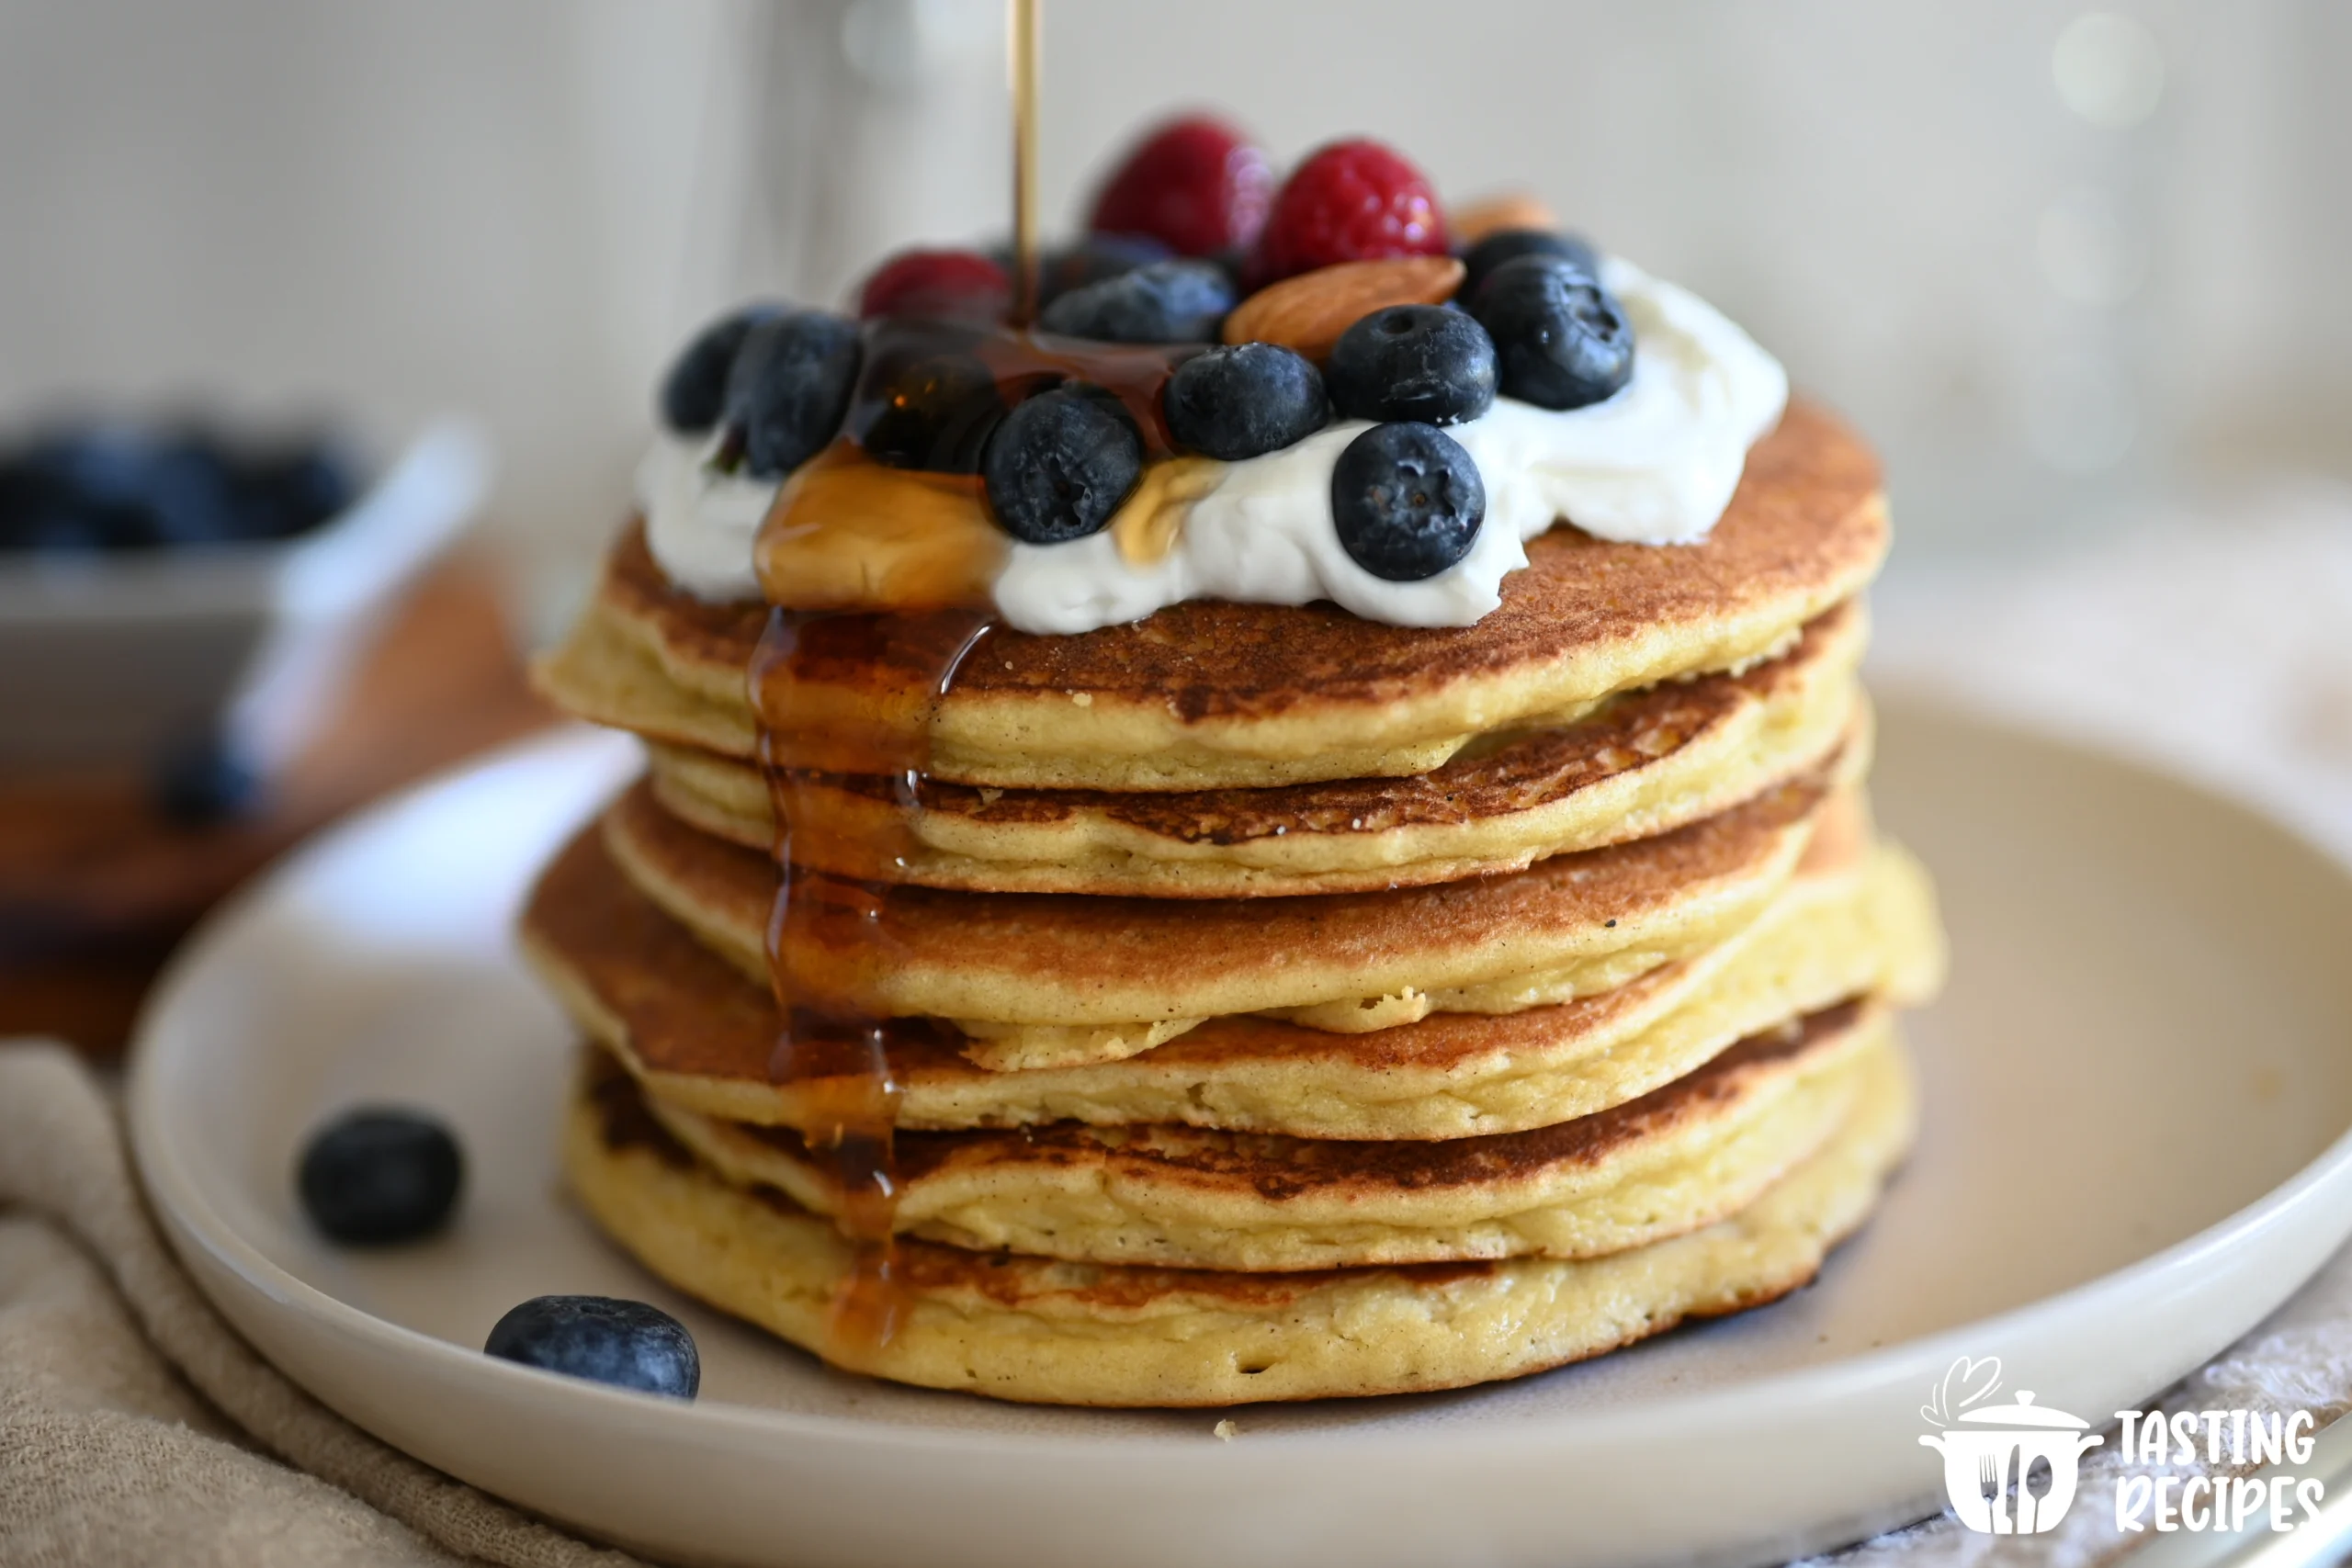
(701, 521)
(1654, 465)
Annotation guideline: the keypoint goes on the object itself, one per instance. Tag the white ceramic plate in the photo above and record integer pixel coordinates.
(2136, 1090)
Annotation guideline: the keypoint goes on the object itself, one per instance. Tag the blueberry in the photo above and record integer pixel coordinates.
(1091, 260)
(1406, 501)
(1510, 245)
(199, 782)
(789, 388)
(604, 1339)
(1422, 363)
(1563, 340)
(286, 491)
(694, 392)
(1170, 301)
(1241, 401)
(100, 482)
(931, 411)
(191, 494)
(378, 1175)
(1061, 463)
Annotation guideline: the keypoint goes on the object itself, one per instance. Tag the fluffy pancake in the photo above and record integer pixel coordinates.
(1045, 980)
(698, 1034)
(1208, 694)
(1027, 1328)
(1683, 1156)
(1643, 763)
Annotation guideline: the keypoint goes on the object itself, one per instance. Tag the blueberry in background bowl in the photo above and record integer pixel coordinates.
(169, 583)
(125, 486)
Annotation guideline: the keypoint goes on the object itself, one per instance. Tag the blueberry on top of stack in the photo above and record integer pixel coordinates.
(1333, 297)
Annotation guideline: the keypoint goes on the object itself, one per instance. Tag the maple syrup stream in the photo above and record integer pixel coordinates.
(860, 691)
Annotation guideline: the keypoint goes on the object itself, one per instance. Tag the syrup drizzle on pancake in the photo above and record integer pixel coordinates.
(891, 516)
(918, 540)
(831, 1054)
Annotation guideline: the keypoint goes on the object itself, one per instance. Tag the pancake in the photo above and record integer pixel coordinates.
(698, 1034)
(1210, 695)
(1037, 1329)
(1644, 763)
(1050, 979)
(1683, 1156)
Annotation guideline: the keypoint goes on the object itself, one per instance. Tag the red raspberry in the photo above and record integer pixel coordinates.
(1196, 185)
(1350, 201)
(955, 285)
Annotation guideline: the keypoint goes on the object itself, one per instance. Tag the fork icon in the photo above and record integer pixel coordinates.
(1989, 1480)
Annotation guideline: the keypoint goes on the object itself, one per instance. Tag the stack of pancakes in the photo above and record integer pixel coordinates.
(1316, 1006)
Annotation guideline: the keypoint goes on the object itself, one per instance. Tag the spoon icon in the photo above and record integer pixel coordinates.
(2031, 1489)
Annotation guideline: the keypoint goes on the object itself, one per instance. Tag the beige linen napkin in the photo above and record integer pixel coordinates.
(136, 1428)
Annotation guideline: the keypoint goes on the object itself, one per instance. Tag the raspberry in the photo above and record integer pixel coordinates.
(1196, 185)
(952, 284)
(1350, 201)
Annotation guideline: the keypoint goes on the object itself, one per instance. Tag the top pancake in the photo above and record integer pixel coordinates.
(1209, 695)
(1645, 763)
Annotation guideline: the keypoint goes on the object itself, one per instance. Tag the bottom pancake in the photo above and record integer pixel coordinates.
(1030, 1329)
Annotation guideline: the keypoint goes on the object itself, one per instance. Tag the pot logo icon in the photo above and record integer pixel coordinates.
(2008, 1468)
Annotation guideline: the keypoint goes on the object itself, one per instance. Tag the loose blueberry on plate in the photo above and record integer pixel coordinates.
(1061, 463)
(377, 1176)
(1562, 340)
(1170, 301)
(602, 1339)
(930, 410)
(1406, 501)
(1508, 245)
(1244, 402)
(1421, 363)
(790, 389)
(694, 393)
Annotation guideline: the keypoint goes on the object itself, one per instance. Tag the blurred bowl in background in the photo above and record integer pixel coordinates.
(231, 649)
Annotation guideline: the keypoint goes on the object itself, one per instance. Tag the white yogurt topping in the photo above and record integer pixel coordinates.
(700, 522)
(1655, 465)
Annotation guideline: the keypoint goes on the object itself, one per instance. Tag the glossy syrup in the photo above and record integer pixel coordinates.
(883, 549)
(830, 937)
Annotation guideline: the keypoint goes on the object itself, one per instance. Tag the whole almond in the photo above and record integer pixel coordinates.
(1473, 223)
(1308, 313)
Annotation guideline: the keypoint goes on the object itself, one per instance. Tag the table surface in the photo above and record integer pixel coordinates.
(96, 886)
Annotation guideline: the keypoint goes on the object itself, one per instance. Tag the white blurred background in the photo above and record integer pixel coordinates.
(2065, 264)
